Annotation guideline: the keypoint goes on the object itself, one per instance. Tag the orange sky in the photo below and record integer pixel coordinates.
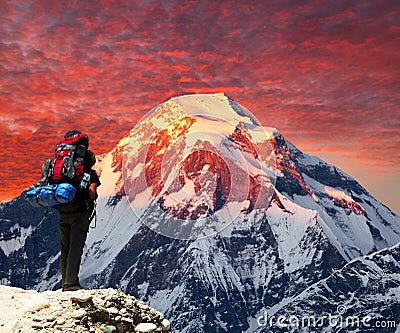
(325, 73)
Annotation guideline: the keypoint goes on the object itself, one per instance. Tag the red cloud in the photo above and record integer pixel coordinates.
(324, 73)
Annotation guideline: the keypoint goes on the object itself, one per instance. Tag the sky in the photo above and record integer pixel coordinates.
(325, 73)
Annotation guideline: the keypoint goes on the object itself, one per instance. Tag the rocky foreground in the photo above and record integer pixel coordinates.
(83, 311)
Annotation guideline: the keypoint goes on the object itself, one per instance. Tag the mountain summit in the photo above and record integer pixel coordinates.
(211, 218)
(195, 163)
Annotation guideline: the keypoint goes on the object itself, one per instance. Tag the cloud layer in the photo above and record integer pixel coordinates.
(326, 73)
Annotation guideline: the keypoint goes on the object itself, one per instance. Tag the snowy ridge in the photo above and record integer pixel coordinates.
(289, 228)
(359, 222)
(363, 296)
(16, 238)
(118, 224)
(343, 200)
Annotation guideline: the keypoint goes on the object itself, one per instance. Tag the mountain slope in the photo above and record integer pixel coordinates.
(363, 296)
(210, 218)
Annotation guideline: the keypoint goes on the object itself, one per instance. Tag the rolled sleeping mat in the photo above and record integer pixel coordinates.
(51, 195)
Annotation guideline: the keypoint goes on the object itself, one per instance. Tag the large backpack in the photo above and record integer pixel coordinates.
(65, 178)
(68, 165)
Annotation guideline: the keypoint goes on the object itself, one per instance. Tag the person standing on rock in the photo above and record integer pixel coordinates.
(74, 227)
(73, 164)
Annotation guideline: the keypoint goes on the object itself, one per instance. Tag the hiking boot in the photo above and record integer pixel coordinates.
(72, 288)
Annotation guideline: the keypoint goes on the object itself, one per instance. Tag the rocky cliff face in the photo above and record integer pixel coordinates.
(211, 219)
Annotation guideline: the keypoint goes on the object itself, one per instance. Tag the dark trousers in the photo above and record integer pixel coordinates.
(73, 232)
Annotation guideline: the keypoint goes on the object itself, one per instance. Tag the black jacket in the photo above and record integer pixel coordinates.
(81, 201)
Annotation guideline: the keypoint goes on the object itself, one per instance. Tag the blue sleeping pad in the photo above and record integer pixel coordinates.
(51, 195)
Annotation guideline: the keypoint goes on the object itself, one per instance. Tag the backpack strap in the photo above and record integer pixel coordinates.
(93, 215)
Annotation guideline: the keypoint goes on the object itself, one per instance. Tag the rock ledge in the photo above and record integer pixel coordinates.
(83, 311)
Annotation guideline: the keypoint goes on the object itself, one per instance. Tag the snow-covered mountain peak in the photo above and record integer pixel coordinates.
(196, 155)
(203, 160)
